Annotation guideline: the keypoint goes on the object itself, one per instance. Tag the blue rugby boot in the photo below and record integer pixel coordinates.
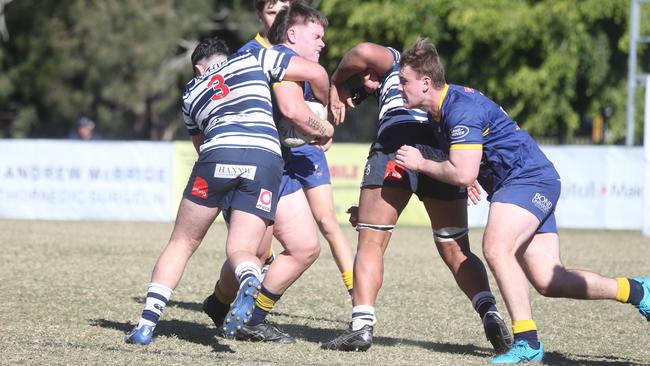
(521, 352)
(242, 308)
(140, 335)
(644, 305)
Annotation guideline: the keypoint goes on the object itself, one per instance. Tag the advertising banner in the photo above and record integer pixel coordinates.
(79, 180)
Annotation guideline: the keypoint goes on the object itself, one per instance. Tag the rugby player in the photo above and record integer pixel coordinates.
(386, 189)
(227, 109)
(520, 242)
(298, 31)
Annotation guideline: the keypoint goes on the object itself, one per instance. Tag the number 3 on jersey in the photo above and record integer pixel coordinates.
(219, 85)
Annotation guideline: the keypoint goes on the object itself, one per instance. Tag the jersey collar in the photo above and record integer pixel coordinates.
(438, 116)
(262, 41)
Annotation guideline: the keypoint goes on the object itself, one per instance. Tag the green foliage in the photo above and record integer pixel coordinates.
(550, 63)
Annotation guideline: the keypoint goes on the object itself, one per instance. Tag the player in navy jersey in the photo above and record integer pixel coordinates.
(308, 165)
(267, 10)
(386, 189)
(298, 31)
(227, 110)
(520, 241)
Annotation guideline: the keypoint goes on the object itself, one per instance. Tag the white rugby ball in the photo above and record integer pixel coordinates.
(290, 136)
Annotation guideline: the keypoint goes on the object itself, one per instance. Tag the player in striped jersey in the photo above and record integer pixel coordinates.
(227, 110)
(386, 189)
(308, 165)
(298, 31)
(520, 241)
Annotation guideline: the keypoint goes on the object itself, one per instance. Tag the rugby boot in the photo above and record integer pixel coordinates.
(140, 335)
(521, 352)
(212, 309)
(351, 340)
(263, 332)
(242, 308)
(497, 332)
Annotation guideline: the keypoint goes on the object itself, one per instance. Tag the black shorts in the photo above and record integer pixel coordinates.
(382, 171)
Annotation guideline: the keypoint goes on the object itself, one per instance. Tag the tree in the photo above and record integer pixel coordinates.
(550, 63)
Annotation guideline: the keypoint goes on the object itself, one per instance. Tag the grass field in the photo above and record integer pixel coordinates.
(71, 290)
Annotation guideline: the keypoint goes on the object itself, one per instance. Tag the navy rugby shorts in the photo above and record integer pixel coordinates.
(243, 179)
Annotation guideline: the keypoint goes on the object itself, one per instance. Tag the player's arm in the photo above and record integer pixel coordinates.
(197, 141)
(362, 57)
(291, 104)
(460, 170)
(301, 69)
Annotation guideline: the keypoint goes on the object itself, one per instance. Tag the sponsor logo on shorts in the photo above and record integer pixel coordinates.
(459, 132)
(200, 188)
(542, 203)
(264, 200)
(235, 171)
(394, 171)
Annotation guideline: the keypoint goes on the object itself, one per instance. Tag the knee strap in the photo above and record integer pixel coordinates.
(447, 234)
(385, 228)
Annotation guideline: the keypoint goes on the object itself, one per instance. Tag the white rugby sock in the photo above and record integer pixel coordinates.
(247, 269)
(157, 297)
(363, 315)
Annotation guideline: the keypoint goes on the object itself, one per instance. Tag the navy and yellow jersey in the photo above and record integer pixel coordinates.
(231, 102)
(391, 109)
(469, 120)
(254, 44)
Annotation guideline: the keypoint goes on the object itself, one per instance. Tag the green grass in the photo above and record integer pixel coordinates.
(71, 290)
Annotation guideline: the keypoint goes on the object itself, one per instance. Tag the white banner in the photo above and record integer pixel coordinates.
(602, 187)
(79, 180)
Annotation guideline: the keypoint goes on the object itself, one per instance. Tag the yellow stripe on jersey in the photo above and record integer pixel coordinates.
(466, 147)
(520, 326)
(264, 302)
(262, 41)
(486, 132)
(438, 116)
(623, 291)
(348, 279)
(299, 83)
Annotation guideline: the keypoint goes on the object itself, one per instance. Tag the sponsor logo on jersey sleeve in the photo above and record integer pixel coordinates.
(458, 133)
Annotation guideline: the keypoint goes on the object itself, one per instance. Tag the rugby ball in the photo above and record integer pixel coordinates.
(290, 136)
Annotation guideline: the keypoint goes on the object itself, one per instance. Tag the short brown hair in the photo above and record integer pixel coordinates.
(297, 13)
(261, 4)
(423, 58)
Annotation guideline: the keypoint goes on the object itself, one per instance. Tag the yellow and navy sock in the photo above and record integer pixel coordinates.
(526, 330)
(348, 279)
(263, 305)
(483, 302)
(223, 301)
(629, 291)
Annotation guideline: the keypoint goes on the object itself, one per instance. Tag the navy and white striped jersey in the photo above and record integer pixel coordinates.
(231, 102)
(391, 105)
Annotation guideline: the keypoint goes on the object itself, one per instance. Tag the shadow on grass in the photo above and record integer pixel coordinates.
(556, 358)
(187, 331)
(194, 306)
(319, 335)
